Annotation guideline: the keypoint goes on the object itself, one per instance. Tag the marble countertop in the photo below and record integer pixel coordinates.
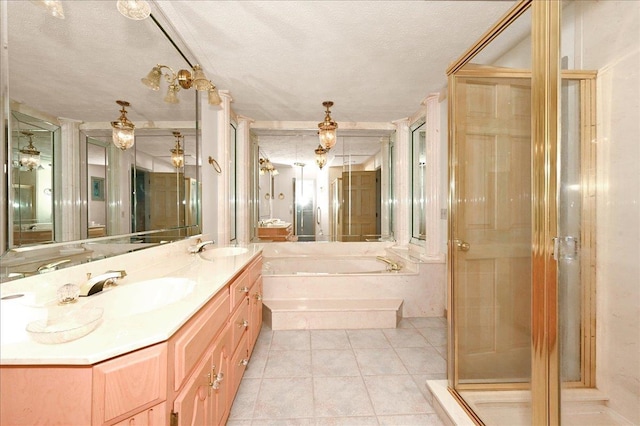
(115, 335)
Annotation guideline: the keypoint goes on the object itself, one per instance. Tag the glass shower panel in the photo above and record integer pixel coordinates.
(492, 256)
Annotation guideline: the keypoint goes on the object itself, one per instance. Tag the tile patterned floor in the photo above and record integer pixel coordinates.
(343, 377)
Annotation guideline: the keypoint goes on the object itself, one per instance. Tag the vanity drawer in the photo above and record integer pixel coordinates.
(238, 365)
(193, 339)
(126, 384)
(239, 323)
(255, 270)
(239, 289)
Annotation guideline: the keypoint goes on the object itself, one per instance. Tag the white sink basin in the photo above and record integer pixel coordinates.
(142, 296)
(212, 253)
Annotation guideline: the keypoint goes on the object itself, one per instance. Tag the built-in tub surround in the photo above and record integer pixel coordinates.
(116, 335)
(343, 271)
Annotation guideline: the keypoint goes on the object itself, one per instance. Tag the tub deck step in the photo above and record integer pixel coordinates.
(331, 314)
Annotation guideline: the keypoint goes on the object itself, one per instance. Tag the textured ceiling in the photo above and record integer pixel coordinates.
(377, 60)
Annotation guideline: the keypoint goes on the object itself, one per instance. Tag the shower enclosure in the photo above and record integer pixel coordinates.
(522, 226)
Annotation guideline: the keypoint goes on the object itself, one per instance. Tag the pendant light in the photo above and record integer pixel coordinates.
(327, 132)
(29, 155)
(123, 129)
(321, 156)
(177, 153)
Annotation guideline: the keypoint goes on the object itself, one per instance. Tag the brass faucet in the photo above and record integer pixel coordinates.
(100, 282)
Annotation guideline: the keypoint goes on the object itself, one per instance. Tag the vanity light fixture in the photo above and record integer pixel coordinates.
(29, 155)
(321, 156)
(327, 132)
(177, 153)
(134, 9)
(123, 129)
(184, 79)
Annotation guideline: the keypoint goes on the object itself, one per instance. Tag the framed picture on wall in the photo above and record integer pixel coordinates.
(97, 188)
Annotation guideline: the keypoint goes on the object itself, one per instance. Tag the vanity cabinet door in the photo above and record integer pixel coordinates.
(239, 323)
(255, 313)
(194, 405)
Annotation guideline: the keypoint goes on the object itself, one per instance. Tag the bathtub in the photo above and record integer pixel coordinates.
(324, 265)
(339, 272)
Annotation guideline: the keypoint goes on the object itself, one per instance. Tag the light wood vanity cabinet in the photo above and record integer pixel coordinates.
(190, 379)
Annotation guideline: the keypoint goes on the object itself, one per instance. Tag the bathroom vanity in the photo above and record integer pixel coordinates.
(180, 364)
(276, 232)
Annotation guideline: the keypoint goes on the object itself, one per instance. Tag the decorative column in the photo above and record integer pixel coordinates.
(244, 174)
(401, 183)
(68, 183)
(215, 186)
(432, 184)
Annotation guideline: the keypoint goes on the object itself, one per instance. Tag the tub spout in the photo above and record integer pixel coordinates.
(391, 265)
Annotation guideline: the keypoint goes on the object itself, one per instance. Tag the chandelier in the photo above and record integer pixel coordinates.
(134, 9)
(29, 155)
(321, 156)
(327, 132)
(184, 79)
(123, 129)
(177, 153)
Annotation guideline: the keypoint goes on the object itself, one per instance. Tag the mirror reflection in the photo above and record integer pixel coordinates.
(83, 186)
(418, 177)
(32, 179)
(339, 195)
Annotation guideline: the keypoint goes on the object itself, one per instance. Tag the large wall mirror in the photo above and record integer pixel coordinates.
(64, 78)
(347, 199)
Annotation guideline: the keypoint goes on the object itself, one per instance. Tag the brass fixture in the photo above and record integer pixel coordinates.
(267, 167)
(123, 129)
(54, 7)
(321, 156)
(184, 79)
(327, 132)
(177, 153)
(134, 9)
(29, 155)
(215, 165)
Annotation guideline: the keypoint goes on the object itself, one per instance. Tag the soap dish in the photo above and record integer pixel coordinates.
(65, 327)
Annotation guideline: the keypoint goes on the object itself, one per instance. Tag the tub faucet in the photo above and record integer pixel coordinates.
(100, 282)
(392, 266)
(199, 246)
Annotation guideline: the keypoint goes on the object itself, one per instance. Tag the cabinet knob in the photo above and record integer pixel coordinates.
(244, 289)
(243, 362)
(258, 296)
(243, 323)
(216, 383)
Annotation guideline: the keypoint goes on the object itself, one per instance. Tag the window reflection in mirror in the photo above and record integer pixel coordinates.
(32, 157)
(347, 200)
(418, 177)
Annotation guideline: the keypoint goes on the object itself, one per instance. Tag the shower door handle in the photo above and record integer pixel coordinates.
(318, 215)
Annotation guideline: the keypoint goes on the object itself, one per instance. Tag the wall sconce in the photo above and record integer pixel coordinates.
(134, 9)
(327, 132)
(123, 129)
(181, 79)
(321, 156)
(177, 153)
(29, 156)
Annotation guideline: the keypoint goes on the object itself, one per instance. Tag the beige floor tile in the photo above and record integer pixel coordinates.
(341, 397)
